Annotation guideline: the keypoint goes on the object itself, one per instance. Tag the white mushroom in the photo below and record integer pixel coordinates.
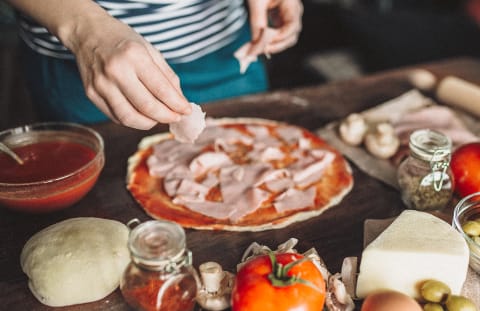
(382, 142)
(352, 129)
(216, 287)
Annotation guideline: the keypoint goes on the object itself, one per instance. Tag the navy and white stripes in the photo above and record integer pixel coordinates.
(183, 30)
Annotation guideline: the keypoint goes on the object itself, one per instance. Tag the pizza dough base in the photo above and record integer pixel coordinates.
(76, 261)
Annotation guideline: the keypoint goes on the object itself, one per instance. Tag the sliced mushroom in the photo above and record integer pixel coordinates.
(352, 129)
(382, 142)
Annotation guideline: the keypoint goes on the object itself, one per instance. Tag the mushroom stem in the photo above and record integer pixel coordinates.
(212, 275)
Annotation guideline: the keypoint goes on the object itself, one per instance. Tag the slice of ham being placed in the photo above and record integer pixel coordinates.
(249, 52)
(190, 126)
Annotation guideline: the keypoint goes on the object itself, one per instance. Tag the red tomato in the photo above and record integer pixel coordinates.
(254, 291)
(465, 166)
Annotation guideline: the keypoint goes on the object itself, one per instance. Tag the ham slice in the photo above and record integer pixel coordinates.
(260, 132)
(249, 52)
(274, 174)
(209, 161)
(211, 180)
(158, 168)
(217, 210)
(250, 200)
(294, 199)
(248, 203)
(190, 126)
(304, 143)
(271, 153)
(179, 172)
(227, 135)
(437, 118)
(313, 171)
(171, 151)
(280, 185)
(171, 186)
(189, 187)
(232, 188)
(291, 135)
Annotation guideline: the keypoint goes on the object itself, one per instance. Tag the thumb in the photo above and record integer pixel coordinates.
(258, 17)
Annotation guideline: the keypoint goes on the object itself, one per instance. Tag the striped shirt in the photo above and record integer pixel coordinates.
(183, 30)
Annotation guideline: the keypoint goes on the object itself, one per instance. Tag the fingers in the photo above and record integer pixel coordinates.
(155, 102)
(286, 17)
(161, 63)
(281, 45)
(163, 83)
(258, 17)
(134, 86)
(109, 99)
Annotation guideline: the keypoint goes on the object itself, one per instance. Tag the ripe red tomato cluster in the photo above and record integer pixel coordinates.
(465, 165)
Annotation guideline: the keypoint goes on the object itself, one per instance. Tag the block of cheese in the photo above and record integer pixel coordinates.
(416, 247)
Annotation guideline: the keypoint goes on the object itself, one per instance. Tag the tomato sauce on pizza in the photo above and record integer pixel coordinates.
(240, 174)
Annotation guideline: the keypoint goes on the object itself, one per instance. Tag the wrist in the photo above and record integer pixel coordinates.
(78, 25)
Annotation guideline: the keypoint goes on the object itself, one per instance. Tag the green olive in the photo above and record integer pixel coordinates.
(460, 303)
(432, 307)
(434, 291)
(471, 228)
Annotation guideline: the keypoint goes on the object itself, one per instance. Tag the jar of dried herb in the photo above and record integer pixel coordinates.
(424, 177)
(160, 276)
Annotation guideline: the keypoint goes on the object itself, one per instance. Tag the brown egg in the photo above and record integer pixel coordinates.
(390, 301)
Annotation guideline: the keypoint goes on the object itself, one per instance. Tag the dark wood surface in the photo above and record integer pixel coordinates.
(335, 234)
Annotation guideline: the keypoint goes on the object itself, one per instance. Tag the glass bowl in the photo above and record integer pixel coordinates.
(469, 209)
(62, 162)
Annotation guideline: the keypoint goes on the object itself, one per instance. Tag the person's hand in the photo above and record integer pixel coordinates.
(124, 75)
(286, 18)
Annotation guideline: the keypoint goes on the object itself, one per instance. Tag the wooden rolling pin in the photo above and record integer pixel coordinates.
(459, 93)
(451, 90)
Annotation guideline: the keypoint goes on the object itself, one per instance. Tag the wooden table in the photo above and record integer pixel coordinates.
(335, 234)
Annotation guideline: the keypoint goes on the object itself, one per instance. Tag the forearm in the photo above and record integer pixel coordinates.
(122, 74)
(66, 19)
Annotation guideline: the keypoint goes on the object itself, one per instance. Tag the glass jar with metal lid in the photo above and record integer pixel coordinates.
(424, 177)
(160, 276)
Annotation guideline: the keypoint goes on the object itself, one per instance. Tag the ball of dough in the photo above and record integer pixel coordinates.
(76, 261)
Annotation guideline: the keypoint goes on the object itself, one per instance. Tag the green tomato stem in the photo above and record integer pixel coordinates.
(279, 276)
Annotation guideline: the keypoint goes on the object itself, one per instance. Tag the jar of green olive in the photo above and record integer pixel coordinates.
(424, 177)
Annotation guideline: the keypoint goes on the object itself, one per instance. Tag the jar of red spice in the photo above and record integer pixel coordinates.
(160, 276)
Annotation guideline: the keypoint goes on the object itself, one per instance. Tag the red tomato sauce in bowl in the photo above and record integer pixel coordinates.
(59, 168)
